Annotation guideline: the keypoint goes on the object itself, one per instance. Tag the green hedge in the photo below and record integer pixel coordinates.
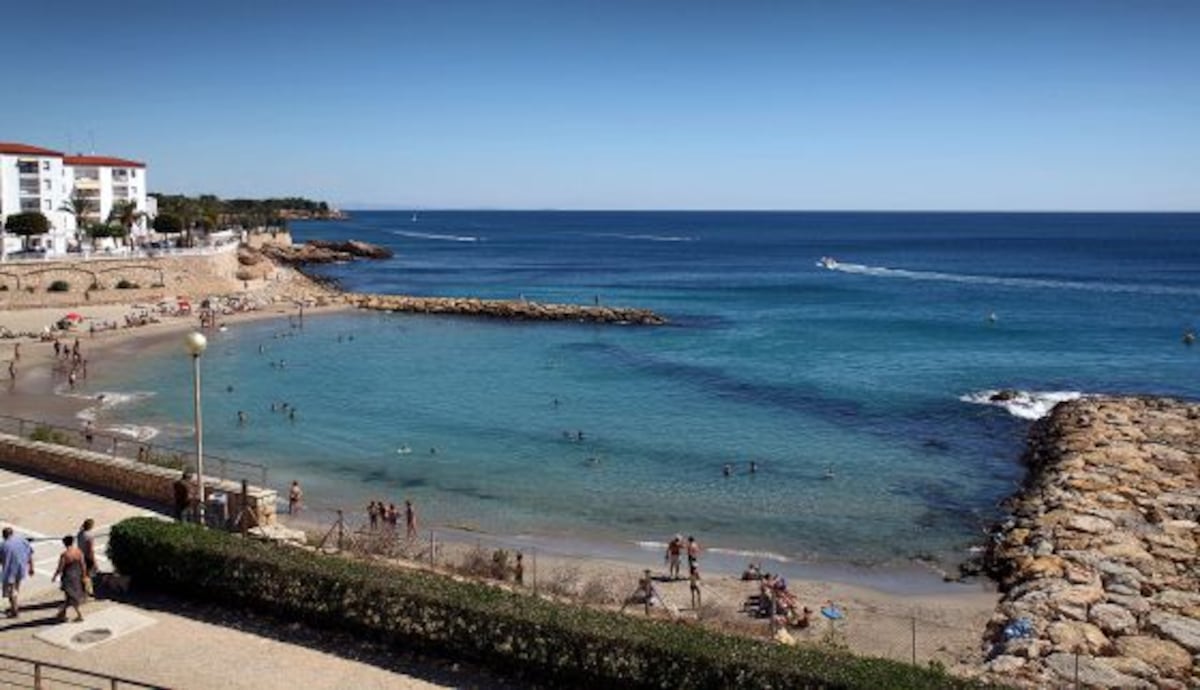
(517, 634)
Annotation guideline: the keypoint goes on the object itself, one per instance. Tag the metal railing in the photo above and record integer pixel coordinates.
(120, 446)
(43, 675)
(123, 253)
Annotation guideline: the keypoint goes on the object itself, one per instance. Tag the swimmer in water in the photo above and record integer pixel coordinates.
(753, 467)
(727, 470)
(829, 472)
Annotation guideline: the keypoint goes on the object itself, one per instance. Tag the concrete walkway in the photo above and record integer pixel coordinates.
(183, 645)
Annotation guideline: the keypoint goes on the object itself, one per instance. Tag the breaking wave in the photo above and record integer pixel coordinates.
(1030, 405)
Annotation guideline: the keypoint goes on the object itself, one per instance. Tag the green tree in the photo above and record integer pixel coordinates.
(168, 224)
(27, 225)
(126, 214)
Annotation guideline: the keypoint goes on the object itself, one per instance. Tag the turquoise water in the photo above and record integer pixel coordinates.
(864, 372)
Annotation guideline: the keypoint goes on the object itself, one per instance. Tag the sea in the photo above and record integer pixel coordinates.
(852, 357)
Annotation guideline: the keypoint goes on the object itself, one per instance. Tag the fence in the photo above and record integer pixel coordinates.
(875, 626)
(121, 253)
(117, 445)
(21, 672)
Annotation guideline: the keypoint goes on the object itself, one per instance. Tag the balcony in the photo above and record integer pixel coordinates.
(30, 187)
(31, 204)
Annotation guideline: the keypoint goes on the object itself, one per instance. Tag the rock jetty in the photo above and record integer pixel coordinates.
(506, 309)
(324, 252)
(1099, 562)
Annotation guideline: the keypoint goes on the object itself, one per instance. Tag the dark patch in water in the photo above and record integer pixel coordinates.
(723, 385)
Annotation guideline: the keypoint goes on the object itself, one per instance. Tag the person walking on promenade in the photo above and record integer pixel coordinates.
(16, 561)
(71, 569)
(86, 542)
(410, 520)
(693, 551)
(674, 551)
(294, 496)
(12, 370)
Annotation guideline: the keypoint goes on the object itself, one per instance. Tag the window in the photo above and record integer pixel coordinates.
(46, 185)
(26, 167)
(46, 203)
(46, 165)
(133, 191)
(133, 173)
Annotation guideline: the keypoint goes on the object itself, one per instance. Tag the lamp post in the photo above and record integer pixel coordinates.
(195, 344)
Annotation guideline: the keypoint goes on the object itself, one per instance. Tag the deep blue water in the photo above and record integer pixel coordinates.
(858, 371)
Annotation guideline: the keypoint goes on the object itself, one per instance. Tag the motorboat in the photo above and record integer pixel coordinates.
(828, 262)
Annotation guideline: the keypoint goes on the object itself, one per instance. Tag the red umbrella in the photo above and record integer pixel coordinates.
(74, 316)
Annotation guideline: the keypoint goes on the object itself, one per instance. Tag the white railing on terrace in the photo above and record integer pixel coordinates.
(122, 253)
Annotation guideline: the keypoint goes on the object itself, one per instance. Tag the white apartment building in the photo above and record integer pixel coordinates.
(37, 179)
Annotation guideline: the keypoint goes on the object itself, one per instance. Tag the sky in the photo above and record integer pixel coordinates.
(624, 104)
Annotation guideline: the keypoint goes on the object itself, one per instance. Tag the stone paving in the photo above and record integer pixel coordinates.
(182, 645)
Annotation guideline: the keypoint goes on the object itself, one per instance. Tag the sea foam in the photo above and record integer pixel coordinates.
(1030, 405)
(436, 236)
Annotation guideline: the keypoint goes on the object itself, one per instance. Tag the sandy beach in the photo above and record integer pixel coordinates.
(934, 622)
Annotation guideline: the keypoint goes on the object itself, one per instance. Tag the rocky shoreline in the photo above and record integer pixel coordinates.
(506, 309)
(1099, 562)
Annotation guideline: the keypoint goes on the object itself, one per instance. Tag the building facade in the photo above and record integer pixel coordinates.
(50, 182)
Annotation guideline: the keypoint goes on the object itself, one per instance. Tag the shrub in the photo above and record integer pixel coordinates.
(48, 434)
(59, 286)
(511, 632)
(124, 284)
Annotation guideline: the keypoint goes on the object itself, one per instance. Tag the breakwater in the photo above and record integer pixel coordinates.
(506, 309)
(1099, 560)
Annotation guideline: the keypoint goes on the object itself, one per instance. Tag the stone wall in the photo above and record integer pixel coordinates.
(1099, 561)
(506, 309)
(157, 278)
(122, 476)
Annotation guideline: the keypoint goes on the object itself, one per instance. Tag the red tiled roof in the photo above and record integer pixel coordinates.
(107, 161)
(26, 149)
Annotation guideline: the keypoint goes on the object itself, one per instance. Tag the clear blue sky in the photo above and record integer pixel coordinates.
(625, 104)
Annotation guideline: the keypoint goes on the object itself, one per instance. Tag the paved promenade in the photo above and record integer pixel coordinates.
(163, 641)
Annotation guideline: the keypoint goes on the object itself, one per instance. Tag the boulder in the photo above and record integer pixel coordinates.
(1166, 656)
(1112, 619)
(1184, 631)
(1091, 672)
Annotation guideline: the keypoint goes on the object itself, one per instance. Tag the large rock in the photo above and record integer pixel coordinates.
(1092, 672)
(1185, 631)
(1164, 655)
(1113, 619)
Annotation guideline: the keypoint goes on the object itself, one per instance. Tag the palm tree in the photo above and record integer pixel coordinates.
(127, 215)
(80, 207)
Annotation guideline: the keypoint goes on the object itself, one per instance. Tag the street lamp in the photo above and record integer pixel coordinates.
(195, 344)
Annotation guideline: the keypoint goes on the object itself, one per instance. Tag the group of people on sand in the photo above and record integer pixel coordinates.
(776, 601)
(76, 568)
(676, 549)
(387, 516)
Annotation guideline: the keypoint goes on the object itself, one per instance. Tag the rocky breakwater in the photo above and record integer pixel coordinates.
(507, 309)
(324, 252)
(1099, 562)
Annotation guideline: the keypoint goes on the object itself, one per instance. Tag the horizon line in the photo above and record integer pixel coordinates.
(495, 209)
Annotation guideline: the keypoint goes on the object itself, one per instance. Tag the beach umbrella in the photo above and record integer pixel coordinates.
(74, 316)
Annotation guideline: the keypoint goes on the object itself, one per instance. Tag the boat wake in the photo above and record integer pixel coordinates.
(645, 238)
(1030, 405)
(436, 236)
(1002, 281)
